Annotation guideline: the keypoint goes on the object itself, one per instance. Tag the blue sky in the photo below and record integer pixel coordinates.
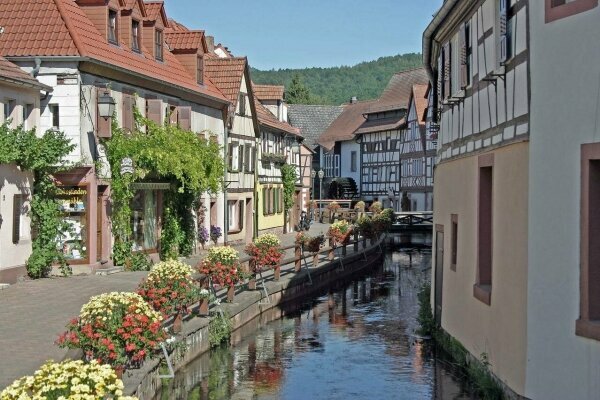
(309, 33)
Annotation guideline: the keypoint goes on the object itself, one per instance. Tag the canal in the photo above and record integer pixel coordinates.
(355, 342)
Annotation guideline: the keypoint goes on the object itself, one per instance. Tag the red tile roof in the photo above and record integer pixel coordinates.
(226, 74)
(420, 98)
(129, 4)
(346, 124)
(266, 118)
(268, 92)
(184, 40)
(61, 28)
(11, 73)
(177, 26)
(154, 10)
(399, 89)
(378, 125)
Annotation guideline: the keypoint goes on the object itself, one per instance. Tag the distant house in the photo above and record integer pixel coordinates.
(392, 158)
(313, 120)
(19, 104)
(272, 97)
(340, 150)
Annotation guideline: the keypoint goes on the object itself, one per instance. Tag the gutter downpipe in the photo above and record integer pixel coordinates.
(430, 31)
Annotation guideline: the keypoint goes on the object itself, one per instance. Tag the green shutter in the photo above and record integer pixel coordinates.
(264, 200)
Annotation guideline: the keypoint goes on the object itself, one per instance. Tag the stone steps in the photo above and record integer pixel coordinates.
(109, 271)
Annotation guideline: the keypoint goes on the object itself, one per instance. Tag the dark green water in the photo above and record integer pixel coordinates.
(356, 342)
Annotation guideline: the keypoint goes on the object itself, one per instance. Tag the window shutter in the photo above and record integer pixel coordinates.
(153, 112)
(128, 112)
(185, 118)
(264, 198)
(241, 214)
(247, 155)
(241, 158)
(254, 155)
(447, 50)
(230, 158)
(502, 39)
(464, 79)
(103, 125)
(16, 231)
(280, 199)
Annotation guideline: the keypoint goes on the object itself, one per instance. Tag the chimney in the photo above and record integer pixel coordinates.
(353, 100)
(210, 43)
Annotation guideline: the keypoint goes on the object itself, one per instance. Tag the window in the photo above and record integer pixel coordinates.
(453, 241)
(9, 107)
(242, 105)
(158, 45)
(20, 229)
(112, 27)
(557, 9)
(54, 115)
(200, 70)
(589, 297)
(482, 289)
(465, 55)
(234, 157)
(353, 161)
(135, 36)
(235, 215)
(144, 220)
(27, 111)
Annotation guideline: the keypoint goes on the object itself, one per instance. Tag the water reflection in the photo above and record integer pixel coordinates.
(354, 343)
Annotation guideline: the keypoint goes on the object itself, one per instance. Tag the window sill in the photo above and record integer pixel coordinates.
(233, 232)
(483, 293)
(588, 329)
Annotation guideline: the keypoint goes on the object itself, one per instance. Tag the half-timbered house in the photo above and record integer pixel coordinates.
(232, 76)
(391, 159)
(477, 55)
(276, 147)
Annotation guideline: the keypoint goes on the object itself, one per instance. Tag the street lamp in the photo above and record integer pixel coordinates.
(313, 173)
(321, 174)
(106, 105)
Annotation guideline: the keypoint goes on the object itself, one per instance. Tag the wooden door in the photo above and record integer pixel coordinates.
(249, 220)
(439, 274)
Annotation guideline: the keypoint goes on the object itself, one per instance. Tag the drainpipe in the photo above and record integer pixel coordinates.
(226, 208)
(256, 194)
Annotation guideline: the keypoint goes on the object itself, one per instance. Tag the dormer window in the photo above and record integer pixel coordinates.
(135, 36)
(200, 70)
(158, 45)
(112, 27)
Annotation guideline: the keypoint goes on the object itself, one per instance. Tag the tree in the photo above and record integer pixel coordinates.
(297, 92)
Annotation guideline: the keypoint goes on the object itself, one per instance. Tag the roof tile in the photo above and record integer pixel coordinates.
(268, 92)
(346, 124)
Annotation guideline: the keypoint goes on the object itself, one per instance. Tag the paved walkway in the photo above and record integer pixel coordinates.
(34, 313)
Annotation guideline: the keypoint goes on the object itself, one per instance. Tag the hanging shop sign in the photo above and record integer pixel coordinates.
(151, 186)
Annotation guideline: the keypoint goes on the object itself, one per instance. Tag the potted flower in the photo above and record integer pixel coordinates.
(376, 207)
(215, 233)
(222, 266)
(332, 207)
(302, 238)
(170, 290)
(313, 245)
(339, 233)
(204, 295)
(365, 227)
(68, 380)
(117, 328)
(266, 253)
(381, 223)
(359, 209)
(203, 236)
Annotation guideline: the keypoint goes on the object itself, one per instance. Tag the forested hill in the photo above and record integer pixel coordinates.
(338, 84)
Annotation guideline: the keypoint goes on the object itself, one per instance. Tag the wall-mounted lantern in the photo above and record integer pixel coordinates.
(106, 108)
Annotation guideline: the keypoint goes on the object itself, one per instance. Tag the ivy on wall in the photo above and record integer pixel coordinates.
(43, 156)
(289, 177)
(192, 164)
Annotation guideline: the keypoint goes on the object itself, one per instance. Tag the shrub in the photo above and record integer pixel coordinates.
(117, 328)
(376, 207)
(222, 266)
(365, 227)
(68, 380)
(381, 223)
(170, 288)
(138, 262)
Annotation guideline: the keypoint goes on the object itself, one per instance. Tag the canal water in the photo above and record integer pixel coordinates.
(355, 342)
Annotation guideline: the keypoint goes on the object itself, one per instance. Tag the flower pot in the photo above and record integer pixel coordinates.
(252, 283)
(177, 323)
(315, 259)
(277, 272)
(203, 310)
(230, 294)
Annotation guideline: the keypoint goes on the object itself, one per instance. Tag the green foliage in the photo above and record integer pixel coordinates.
(44, 157)
(191, 163)
(289, 177)
(425, 316)
(138, 262)
(219, 329)
(338, 84)
(297, 93)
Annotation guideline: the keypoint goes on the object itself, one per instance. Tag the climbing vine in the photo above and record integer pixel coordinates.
(289, 177)
(192, 165)
(42, 156)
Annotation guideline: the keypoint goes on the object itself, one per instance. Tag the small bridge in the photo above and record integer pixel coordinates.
(417, 221)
